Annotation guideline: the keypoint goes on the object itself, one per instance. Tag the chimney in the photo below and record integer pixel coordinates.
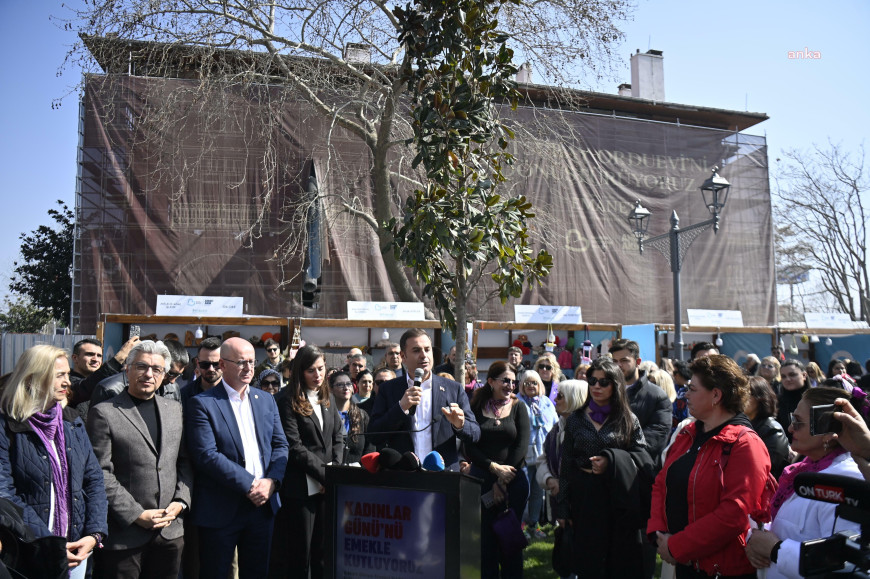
(358, 52)
(648, 75)
(524, 74)
(624, 89)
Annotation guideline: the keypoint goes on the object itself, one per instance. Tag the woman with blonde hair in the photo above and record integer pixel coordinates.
(542, 418)
(815, 374)
(47, 464)
(769, 370)
(548, 369)
(664, 381)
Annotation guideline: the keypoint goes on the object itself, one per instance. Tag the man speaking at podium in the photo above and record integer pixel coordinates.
(422, 412)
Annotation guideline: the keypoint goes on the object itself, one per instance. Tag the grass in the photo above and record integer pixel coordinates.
(538, 557)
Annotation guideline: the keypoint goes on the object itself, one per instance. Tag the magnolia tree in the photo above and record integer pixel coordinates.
(457, 230)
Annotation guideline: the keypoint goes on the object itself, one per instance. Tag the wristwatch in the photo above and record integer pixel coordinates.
(774, 553)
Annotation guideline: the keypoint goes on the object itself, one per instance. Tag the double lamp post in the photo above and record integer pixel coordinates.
(674, 244)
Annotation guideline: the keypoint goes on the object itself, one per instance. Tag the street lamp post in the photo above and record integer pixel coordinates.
(674, 244)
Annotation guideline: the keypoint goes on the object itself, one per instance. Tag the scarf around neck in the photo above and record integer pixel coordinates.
(599, 413)
(534, 404)
(497, 407)
(786, 480)
(48, 426)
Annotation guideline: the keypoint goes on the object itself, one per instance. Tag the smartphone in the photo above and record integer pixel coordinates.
(822, 420)
(135, 330)
(488, 499)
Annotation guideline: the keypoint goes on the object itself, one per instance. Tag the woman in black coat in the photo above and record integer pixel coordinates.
(315, 432)
(761, 410)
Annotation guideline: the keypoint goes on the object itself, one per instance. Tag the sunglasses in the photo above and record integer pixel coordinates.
(560, 396)
(341, 385)
(271, 383)
(207, 365)
(510, 381)
(173, 375)
(379, 382)
(545, 367)
(600, 382)
(795, 423)
(271, 349)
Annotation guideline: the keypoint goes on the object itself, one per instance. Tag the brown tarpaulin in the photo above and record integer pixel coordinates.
(170, 218)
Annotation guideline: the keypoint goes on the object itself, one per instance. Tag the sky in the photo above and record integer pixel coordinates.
(735, 56)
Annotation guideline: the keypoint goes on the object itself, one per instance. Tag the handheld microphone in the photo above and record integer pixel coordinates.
(418, 379)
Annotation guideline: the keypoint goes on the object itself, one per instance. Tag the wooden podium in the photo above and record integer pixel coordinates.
(398, 524)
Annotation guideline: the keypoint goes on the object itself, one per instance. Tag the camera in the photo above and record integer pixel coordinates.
(827, 557)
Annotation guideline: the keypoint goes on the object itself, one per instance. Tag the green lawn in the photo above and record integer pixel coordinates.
(537, 558)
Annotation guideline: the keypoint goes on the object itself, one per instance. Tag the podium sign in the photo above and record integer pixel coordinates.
(389, 533)
(394, 524)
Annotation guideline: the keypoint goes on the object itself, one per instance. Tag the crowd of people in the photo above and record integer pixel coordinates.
(131, 474)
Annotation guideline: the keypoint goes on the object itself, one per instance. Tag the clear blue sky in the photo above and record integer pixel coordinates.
(729, 55)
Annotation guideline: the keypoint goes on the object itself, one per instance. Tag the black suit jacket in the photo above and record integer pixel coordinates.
(311, 447)
(388, 416)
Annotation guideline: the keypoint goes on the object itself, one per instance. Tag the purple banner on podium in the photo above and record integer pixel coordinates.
(388, 533)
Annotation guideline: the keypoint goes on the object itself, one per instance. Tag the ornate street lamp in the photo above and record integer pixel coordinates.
(715, 193)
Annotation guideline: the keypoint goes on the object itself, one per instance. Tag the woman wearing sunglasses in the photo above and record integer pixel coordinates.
(796, 518)
(498, 458)
(603, 453)
(549, 371)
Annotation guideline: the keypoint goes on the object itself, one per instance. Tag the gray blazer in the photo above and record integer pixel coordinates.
(137, 476)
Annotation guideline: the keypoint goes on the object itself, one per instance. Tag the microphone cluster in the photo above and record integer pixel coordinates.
(390, 459)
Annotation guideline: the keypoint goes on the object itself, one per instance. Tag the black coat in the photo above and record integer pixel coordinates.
(312, 447)
(773, 435)
(654, 411)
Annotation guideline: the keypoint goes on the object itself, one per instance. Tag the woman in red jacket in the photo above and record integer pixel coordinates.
(713, 479)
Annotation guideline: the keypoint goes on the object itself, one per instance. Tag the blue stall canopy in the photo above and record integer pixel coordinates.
(739, 346)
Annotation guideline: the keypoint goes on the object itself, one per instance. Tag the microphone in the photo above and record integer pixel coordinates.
(418, 379)
(833, 488)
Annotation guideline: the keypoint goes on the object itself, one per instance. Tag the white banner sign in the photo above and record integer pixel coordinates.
(411, 311)
(547, 314)
(218, 306)
(719, 318)
(828, 320)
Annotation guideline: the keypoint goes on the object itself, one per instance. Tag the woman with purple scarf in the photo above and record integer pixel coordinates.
(603, 457)
(47, 464)
(795, 518)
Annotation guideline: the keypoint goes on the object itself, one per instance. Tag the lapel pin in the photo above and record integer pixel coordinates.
(442, 388)
(257, 396)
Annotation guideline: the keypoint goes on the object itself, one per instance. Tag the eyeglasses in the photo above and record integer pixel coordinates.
(173, 375)
(545, 367)
(530, 383)
(142, 367)
(600, 382)
(206, 365)
(379, 382)
(271, 383)
(768, 366)
(795, 423)
(271, 349)
(342, 385)
(510, 381)
(242, 363)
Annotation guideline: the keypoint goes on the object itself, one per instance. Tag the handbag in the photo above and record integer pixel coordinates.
(508, 531)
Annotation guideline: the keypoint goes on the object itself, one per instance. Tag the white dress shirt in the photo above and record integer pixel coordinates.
(422, 418)
(241, 405)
